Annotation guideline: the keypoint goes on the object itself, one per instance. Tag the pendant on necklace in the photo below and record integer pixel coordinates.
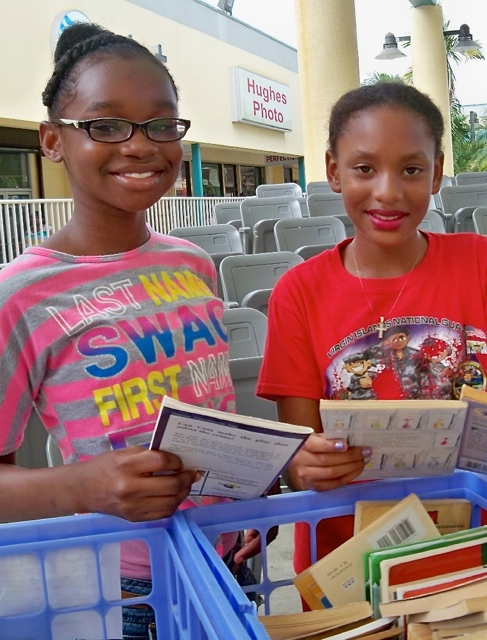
(381, 327)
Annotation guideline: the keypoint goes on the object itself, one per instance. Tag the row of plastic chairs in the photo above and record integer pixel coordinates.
(455, 202)
(255, 217)
(291, 189)
(305, 236)
(459, 202)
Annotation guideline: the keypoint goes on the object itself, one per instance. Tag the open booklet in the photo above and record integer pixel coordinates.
(239, 456)
(413, 437)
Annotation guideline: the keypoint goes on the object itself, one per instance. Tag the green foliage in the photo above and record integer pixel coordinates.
(468, 154)
(375, 77)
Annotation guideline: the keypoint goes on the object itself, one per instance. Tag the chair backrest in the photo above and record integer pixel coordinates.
(242, 275)
(244, 373)
(479, 217)
(256, 214)
(293, 233)
(279, 190)
(213, 238)
(226, 212)
(303, 203)
(472, 177)
(247, 331)
(463, 221)
(318, 187)
(446, 181)
(454, 198)
(254, 210)
(53, 454)
(433, 222)
(263, 240)
(311, 250)
(330, 204)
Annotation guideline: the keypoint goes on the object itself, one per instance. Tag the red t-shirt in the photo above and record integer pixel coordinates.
(320, 320)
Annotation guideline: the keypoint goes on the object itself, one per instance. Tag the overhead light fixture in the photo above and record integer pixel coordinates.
(465, 43)
(390, 50)
(226, 6)
(465, 40)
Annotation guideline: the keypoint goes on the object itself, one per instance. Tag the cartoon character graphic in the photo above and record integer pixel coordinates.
(436, 351)
(362, 377)
(407, 364)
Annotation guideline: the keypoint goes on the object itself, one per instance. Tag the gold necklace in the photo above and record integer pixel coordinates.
(381, 327)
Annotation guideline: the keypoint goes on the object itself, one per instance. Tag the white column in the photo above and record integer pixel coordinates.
(328, 68)
(429, 67)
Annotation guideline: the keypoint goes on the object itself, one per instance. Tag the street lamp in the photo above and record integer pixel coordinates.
(465, 42)
(226, 6)
(474, 124)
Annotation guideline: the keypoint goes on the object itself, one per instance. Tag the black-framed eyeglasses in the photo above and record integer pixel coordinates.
(119, 129)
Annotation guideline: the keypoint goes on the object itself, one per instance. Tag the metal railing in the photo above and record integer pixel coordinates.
(26, 223)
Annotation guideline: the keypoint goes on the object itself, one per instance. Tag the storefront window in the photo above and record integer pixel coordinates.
(212, 179)
(250, 178)
(230, 179)
(288, 174)
(182, 186)
(14, 170)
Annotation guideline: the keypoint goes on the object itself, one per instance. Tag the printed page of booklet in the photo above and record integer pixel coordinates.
(238, 456)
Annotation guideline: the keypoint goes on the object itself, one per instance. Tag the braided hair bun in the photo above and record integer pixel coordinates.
(76, 34)
(77, 42)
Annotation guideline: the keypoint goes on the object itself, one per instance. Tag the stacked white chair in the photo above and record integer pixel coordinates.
(248, 279)
(309, 236)
(259, 215)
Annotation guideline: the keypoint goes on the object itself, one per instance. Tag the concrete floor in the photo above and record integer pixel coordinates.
(280, 566)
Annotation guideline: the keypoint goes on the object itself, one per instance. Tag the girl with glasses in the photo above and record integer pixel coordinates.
(387, 314)
(107, 316)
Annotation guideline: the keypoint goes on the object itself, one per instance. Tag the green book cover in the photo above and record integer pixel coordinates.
(372, 559)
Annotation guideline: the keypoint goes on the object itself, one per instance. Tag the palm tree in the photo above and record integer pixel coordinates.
(375, 77)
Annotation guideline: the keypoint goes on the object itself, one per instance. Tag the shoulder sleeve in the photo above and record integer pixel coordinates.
(289, 367)
(17, 370)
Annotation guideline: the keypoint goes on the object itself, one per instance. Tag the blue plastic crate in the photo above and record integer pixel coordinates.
(207, 523)
(186, 597)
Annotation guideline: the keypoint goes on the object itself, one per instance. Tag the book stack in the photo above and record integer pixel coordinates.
(341, 623)
(434, 585)
(471, 626)
(419, 579)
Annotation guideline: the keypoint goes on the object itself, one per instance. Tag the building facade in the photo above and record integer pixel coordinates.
(238, 86)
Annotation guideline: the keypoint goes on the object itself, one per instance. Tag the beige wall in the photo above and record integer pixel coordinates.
(56, 183)
(199, 63)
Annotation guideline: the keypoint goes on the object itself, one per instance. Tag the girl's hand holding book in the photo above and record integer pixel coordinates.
(133, 483)
(323, 464)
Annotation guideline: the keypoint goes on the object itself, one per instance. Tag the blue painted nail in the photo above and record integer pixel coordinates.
(340, 445)
(366, 452)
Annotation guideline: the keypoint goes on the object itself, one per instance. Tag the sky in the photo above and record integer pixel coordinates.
(374, 19)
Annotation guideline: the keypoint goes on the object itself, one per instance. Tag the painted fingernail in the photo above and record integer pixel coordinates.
(340, 445)
(366, 452)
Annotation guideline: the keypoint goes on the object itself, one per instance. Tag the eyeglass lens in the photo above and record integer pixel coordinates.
(160, 130)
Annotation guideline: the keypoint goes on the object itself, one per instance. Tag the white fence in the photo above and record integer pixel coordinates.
(25, 223)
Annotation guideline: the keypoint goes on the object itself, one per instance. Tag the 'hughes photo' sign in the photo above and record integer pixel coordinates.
(259, 100)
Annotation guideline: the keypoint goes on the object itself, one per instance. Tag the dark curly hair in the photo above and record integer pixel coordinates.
(78, 42)
(394, 94)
